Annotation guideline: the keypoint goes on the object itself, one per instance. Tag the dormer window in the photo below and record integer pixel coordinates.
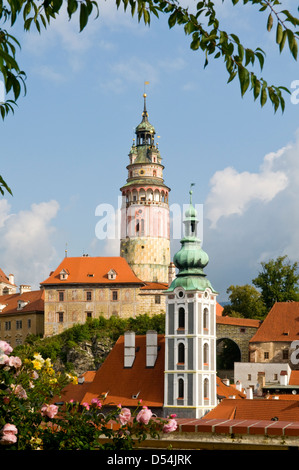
(112, 275)
(21, 304)
(63, 275)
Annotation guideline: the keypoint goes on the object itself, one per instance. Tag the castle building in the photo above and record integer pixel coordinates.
(89, 287)
(190, 330)
(145, 232)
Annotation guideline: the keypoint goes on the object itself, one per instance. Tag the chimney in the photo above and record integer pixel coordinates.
(11, 279)
(24, 288)
(283, 377)
(151, 348)
(171, 273)
(239, 386)
(129, 350)
(249, 393)
(225, 381)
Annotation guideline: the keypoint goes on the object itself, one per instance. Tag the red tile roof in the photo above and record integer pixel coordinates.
(123, 383)
(281, 324)
(225, 320)
(76, 392)
(4, 278)
(228, 390)
(259, 409)
(35, 303)
(93, 270)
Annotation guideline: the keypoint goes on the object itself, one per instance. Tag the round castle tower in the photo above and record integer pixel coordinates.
(145, 232)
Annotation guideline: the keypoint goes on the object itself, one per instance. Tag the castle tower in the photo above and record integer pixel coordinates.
(190, 330)
(145, 237)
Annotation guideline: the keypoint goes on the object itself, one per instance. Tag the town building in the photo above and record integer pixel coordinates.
(7, 284)
(89, 287)
(21, 314)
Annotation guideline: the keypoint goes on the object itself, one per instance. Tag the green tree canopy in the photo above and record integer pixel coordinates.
(278, 281)
(245, 301)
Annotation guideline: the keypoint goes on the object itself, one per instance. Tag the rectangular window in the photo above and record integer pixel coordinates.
(88, 314)
(60, 317)
(285, 354)
(29, 323)
(7, 325)
(19, 324)
(266, 355)
(61, 296)
(157, 299)
(114, 295)
(88, 295)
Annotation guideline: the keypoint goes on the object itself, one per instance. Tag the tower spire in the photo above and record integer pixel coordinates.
(145, 113)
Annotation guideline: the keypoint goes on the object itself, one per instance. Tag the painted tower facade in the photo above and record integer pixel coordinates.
(190, 330)
(145, 232)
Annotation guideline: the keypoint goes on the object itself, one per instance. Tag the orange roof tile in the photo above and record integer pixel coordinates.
(262, 409)
(76, 392)
(123, 383)
(154, 286)
(35, 303)
(281, 324)
(294, 377)
(4, 278)
(93, 270)
(219, 309)
(226, 320)
(227, 391)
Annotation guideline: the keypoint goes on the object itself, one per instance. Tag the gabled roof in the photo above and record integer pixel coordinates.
(122, 384)
(281, 324)
(93, 270)
(33, 302)
(262, 409)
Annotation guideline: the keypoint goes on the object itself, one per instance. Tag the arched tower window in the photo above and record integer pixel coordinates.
(206, 318)
(206, 388)
(206, 353)
(181, 318)
(181, 353)
(181, 388)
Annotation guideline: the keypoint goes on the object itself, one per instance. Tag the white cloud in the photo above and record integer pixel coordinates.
(252, 217)
(232, 192)
(25, 242)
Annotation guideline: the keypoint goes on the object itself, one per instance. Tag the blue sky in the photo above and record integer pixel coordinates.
(64, 152)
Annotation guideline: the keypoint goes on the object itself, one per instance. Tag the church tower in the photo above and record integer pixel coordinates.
(190, 330)
(145, 232)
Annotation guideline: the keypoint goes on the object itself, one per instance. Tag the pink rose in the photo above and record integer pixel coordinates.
(19, 391)
(49, 410)
(9, 432)
(170, 426)
(124, 416)
(14, 361)
(96, 402)
(3, 359)
(6, 348)
(144, 415)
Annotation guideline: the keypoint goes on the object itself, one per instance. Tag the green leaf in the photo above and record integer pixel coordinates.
(279, 33)
(83, 18)
(270, 22)
(244, 79)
